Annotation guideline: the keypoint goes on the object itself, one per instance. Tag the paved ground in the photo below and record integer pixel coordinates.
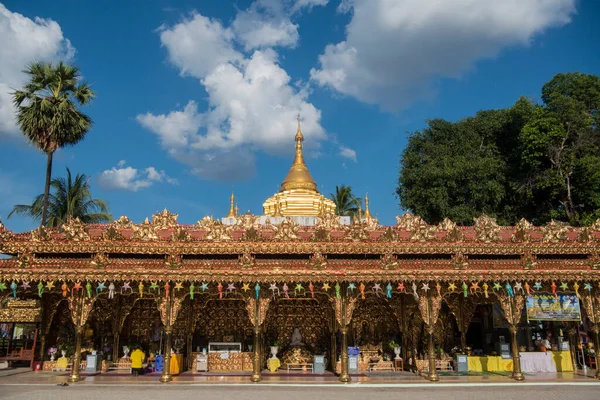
(348, 392)
(23, 384)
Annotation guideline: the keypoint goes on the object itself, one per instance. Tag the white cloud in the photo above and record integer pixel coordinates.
(131, 179)
(252, 103)
(24, 40)
(395, 49)
(347, 152)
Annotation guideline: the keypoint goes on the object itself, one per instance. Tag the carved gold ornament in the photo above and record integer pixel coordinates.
(75, 230)
(487, 229)
(555, 232)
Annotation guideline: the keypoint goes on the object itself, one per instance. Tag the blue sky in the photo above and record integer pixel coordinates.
(197, 98)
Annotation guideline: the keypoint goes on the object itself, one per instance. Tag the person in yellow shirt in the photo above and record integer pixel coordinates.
(137, 358)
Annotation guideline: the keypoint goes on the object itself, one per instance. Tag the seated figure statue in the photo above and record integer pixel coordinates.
(296, 338)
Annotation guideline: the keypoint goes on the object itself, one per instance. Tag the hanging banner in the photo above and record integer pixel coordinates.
(543, 306)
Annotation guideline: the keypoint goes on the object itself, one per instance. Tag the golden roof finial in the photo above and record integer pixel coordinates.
(232, 212)
(236, 210)
(367, 211)
(299, 177)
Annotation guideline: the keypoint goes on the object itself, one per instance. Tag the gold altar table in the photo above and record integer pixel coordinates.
(233, 362)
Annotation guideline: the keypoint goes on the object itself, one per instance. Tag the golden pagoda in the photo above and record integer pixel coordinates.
(298, 195)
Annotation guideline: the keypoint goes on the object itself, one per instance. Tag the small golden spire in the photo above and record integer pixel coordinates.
(299, 177)
(367, 211)
(236, 210)
(232, 212)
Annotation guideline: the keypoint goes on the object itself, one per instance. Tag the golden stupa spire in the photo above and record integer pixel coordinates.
(237, 210)
(298, 177)
(367, 211)
(232, 213)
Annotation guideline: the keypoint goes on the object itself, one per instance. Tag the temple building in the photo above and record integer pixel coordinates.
(300, 289)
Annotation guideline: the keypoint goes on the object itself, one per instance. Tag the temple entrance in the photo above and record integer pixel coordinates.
(300, 327)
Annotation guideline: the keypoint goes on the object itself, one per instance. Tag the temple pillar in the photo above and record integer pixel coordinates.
(430, 306)
(80, 307)
(572, 334)
(257, 311)
(344, 375)
(169, 308)
(512, 307)
(257, 361)
(344, 307)
(596, 337)
(166, 372)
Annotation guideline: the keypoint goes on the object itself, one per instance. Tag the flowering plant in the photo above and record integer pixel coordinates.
(52, 351)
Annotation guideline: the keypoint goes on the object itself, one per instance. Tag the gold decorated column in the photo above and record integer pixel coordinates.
(512, 307)
(344, 308)
(80, 310)
(591, 302)
(429, 306)
(257, 311)
(169, 309)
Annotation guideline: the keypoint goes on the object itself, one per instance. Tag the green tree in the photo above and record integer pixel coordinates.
(69, 198)
(346, 204)
(48, 114)
(561, 150)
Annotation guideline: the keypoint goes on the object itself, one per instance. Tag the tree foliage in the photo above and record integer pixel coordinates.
(68, 198)
(534, 161)
(48, 114)
(345, 201)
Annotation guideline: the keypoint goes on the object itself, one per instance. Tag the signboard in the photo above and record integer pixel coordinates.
(543, 306)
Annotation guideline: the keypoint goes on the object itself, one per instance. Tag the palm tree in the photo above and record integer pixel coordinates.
(48, 114)
(345, 202)
(69, 198)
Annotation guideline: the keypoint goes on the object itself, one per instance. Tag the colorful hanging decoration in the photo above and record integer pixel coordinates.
(509, 289)
(474, 287)
(564, 286)
(141, 289)
(2, 286)
(350, 289)
(167, 289)
(518, 286)
(111, 290)
(25, 285)
(13, 287)
(286, 291)
(388, 289)
(88, 289)
(527, 289)
(465, 289)
(76, 288)
(220, 290)
(204, 286)
(65, 289)
(587, 286)
(377, 289)
(400, 287)
(311, 289)
(178, 286)
(497, 286)
(485, 289)
(50, 285)
(452, 287)
(192, 288)
(274, 288)
(40, 288)
(298, 289)
(230, 288)
(245, 287)
(257, 290)
(338, 289)
(361, 290)
(101, 286)
(326, 287)
(414, 288)
(126, 286)
(576, 287)
(553, 288)
(425, 287)
(537, 286)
